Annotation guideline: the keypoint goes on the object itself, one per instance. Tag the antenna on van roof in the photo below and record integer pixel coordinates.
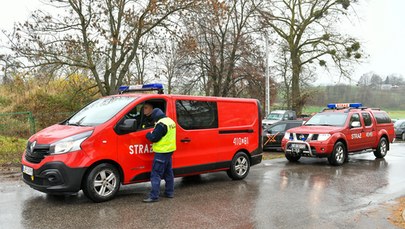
(141, 88)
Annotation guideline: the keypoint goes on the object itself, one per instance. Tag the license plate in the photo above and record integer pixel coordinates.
(298, 146)
(28, 170)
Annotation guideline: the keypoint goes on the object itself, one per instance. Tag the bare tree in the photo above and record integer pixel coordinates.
(365, 79)
(306, 27)
(221, 32)
(100, 36)
(395, 79)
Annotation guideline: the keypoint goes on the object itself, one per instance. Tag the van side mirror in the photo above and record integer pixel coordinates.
(355, 124)
(128, 126)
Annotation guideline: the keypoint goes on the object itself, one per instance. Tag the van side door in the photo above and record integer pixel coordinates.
(135, 153)
(197, 135)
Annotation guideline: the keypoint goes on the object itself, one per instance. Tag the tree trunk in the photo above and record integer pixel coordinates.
(295, 84)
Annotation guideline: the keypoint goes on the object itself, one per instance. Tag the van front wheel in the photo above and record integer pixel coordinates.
(101, 183)
(240, 166)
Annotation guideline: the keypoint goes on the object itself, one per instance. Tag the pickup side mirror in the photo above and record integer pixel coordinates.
(355, 124)
(128, 126)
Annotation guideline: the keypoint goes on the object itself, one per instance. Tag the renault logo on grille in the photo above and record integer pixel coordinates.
(33, 146)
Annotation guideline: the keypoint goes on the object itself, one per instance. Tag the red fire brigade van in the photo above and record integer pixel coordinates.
(103, 145)
(339, 130)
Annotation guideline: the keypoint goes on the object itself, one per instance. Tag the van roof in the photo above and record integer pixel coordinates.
(185, 97)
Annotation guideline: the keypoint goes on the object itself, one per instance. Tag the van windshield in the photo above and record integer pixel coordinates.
(99, 111)
(327, 119)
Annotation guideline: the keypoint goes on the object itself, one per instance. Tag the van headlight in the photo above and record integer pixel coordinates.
(323, 137)
(69, 144)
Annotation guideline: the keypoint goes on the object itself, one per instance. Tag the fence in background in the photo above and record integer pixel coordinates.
(25, 124)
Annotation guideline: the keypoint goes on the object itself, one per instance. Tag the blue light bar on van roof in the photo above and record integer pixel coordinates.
(344, 105)
(141, 88)
(131, 87)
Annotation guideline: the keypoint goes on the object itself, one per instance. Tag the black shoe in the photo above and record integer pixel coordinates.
(169, 196)
(150, 200)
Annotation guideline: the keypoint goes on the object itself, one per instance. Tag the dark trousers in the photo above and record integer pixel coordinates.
(162, 169)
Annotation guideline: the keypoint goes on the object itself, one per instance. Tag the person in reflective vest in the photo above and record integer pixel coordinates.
(163, 137)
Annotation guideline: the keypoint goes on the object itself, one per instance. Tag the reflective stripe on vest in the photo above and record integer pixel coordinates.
(168, 142)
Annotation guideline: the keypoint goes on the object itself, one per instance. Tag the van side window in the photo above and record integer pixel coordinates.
(137, 113)
(193, 115)
(366, 119)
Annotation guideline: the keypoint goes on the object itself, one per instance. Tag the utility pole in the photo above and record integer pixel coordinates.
(267, 75)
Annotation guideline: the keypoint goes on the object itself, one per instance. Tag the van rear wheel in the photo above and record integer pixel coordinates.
(102, 183)
(240, 166)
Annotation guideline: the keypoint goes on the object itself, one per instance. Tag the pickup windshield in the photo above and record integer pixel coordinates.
(99, 111)
(327, 119)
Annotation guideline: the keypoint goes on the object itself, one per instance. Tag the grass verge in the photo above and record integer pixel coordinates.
(11, 149)
(267, 155)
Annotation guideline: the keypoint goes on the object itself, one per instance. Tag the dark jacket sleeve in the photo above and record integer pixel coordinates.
(158, 133)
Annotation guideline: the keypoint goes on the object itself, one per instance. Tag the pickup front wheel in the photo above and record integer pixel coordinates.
(338, 155)
(291, 157)
(382, 148)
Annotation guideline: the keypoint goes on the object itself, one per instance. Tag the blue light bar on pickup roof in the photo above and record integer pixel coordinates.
(153, 85)
(344, 105)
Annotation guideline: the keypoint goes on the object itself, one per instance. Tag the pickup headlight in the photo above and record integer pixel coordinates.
(69, 144)
(323, 137)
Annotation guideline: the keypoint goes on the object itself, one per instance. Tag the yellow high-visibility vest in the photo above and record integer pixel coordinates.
(168, 142)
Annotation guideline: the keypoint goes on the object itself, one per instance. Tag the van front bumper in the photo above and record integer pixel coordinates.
(55, 178)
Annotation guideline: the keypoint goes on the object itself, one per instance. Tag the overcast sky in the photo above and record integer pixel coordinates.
(380, 26)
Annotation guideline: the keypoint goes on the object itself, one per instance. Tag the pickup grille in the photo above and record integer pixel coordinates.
(304, 137)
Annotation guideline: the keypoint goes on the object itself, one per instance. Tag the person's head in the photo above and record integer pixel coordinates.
(157, 114)
(147, 109)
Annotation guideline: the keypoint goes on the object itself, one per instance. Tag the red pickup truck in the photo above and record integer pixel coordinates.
(338, 130)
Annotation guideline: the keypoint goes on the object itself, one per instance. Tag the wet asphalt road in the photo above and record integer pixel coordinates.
(276, 194)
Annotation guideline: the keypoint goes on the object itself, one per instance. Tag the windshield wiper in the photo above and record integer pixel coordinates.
(78, 123)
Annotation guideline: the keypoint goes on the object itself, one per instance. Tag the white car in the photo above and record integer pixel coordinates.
(278, 115)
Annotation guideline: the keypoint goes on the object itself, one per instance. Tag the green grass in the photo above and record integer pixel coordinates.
(268, 155)
(396, 114)
(11, 149)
